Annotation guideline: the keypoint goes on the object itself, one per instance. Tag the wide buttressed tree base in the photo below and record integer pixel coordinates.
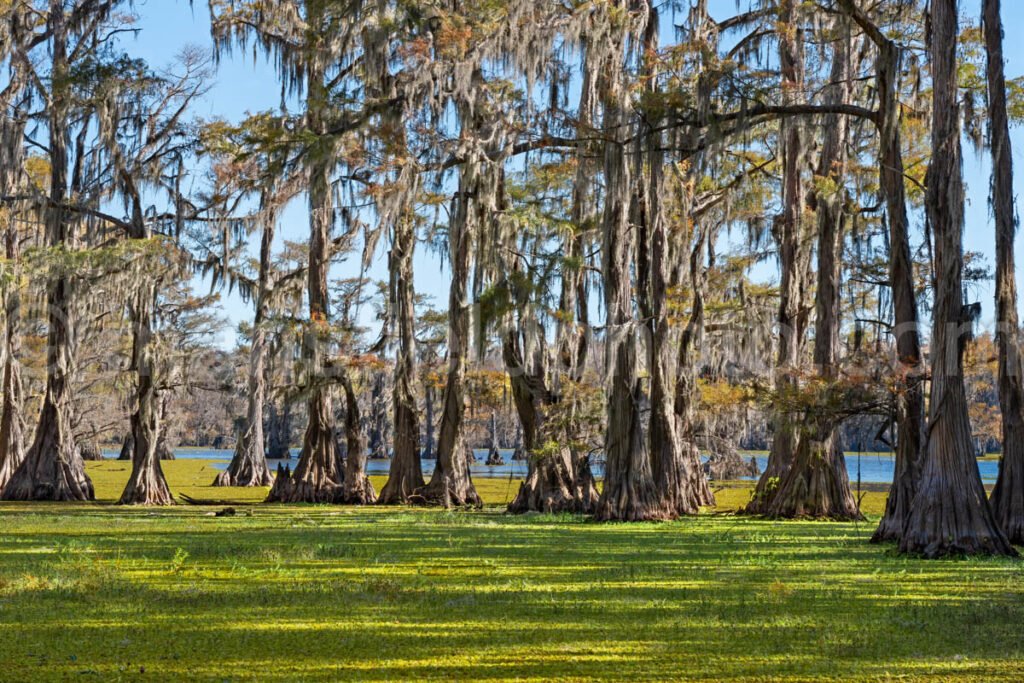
(53, 468)
(318, 476)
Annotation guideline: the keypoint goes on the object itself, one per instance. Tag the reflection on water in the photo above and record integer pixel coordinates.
(871, 469)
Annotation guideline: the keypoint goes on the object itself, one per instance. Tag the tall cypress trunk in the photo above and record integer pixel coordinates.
(629, 492)
(1008, 495)
(451, 484)
(691, 482)
(549, 483)
(53, 467)
(909, 395)
(317, 477)
(794, 260)
(249, 463)
(817, 484)
(406, 474)
(950, 513)
(909, 398)
(12, 421)
(675, 458)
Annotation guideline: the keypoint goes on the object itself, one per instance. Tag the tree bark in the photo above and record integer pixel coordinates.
(1008, 495)
(950, 514)
(279, 431)
(146, 484)
(794, 261)
(429, 397)
(356, 489)
(127, 446)
(451, 484)
(53, 468)
(12, 420)
(675, 458)
(548, 486)
(406, 474)
(249, 462)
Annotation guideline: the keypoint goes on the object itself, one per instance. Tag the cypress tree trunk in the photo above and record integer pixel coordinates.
(950, 513)
(429, 396)
(249, 463)
(629, 492)
(451, 484)
(675, 458)
(794, 260)
(1008, 495)
(816, 484)
(12, 421)
(548, 486)
(910, 405)
(406, 474)
(127, 446)
(53, 468)
(356, 489)
(317, 477)
(146, 484)
(909, 397)
(691, 485)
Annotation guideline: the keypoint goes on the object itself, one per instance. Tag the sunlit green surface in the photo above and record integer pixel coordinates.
(92, 592)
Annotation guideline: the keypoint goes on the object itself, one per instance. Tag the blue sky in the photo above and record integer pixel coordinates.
(246, 83)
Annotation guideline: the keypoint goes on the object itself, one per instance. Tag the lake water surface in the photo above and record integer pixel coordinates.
(872, 469)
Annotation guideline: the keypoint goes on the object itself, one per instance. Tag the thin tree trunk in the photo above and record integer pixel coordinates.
(950, 514)
(406, 474)
(53, 468)
(127, 446)
(493, 449)
(379, 418)
(1008, 495)
(794, 261)
(249, 463)
(429, 396)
